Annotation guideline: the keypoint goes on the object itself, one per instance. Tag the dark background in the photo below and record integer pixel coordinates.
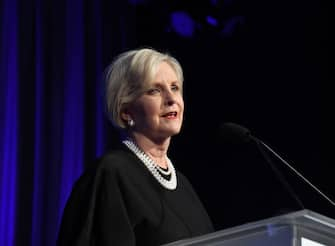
(267, 75)
(264, 66)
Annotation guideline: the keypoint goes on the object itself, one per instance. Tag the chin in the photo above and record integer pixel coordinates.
(173, 132)
(166, 133)
(169, 130)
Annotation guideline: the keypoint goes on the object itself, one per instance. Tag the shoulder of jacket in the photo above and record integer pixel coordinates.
(117, 161)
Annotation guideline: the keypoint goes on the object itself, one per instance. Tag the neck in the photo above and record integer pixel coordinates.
(156, 149)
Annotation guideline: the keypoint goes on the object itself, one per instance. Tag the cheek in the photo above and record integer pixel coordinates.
(143, 106)
(149, 110)
(181, 103)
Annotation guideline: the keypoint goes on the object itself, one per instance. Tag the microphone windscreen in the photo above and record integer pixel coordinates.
(234, 133)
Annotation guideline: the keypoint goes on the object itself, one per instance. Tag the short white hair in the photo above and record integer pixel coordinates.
(127, 76)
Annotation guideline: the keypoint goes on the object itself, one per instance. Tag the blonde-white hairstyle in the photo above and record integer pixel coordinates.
(127, 77)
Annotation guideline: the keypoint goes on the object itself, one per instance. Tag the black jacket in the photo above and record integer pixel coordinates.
(119, 202)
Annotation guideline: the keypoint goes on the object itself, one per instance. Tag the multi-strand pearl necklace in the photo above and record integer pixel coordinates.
(155, 170)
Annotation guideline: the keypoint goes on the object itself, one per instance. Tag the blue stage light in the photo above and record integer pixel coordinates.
(182, 23)
(212, 21)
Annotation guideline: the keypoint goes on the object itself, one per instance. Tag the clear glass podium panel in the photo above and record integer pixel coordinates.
(302, 228)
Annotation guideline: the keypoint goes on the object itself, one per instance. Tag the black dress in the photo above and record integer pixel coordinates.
(119, 202)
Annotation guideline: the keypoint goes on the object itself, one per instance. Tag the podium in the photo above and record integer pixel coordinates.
(301, 228)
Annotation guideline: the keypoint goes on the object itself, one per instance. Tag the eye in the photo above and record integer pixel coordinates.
(175, 88)
(153, 91)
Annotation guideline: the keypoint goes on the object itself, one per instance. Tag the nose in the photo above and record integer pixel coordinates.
(170, 98)
(170, 102)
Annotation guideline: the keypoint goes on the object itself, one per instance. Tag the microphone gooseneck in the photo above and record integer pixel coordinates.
(280, 176)
(235, 133)
(298, 173)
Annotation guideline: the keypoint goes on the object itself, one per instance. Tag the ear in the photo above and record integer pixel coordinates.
(125, 115)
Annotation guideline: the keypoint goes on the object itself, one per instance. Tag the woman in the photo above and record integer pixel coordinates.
(133, 195)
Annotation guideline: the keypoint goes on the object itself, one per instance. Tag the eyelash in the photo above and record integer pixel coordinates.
(175, 87)
(153, 91)
(157, 90)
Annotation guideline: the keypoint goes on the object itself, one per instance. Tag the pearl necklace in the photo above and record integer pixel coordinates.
(153, 167)
(163, 171)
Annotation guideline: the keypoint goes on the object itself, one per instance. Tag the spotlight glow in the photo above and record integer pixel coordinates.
(182, 23)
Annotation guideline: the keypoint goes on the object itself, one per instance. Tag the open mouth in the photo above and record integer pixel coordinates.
(170, 115)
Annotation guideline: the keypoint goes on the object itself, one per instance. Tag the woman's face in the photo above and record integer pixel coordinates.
(158, 112)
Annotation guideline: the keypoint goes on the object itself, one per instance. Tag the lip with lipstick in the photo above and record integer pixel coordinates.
(170, 115)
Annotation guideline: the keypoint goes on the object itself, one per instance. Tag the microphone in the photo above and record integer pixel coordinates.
(235, 133)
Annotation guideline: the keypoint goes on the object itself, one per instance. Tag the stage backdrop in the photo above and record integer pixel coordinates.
(258, 63)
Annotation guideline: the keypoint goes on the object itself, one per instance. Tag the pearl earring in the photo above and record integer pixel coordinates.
(130, 122)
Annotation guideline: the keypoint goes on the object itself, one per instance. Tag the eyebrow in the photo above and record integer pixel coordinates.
(162, 82)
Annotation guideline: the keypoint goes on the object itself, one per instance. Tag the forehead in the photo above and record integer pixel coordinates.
(164, 72)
